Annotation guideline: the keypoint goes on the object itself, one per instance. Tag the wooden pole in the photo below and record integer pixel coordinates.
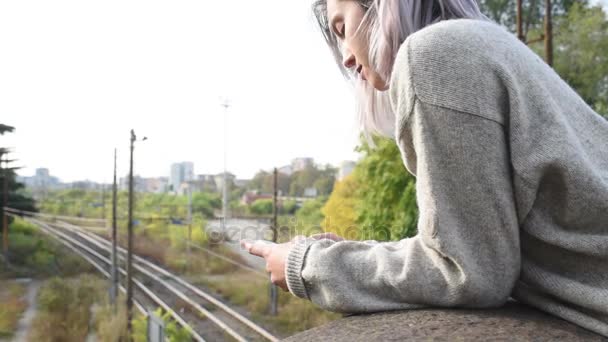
(130, 245)
(548, 34)
(114, 275)
(273, 288)
(4, 204)
(520, 32)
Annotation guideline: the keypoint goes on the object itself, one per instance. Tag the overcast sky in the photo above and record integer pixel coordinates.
(76, 76)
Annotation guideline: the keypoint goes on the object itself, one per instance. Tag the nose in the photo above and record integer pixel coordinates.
(349, 60)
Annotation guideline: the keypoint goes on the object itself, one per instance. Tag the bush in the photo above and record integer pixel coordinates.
(13, 306)
(173, 332)
(64, 308)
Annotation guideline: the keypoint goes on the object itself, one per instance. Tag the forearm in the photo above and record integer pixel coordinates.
(466, 252)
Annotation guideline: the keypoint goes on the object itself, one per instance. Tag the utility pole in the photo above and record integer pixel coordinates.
(114, 275)
(4, 204)
(189, 225)
(130, 241)
(226, 105)
(273, 287)
(548, 34)
(103, 204)
(130, 244)
(520, 33)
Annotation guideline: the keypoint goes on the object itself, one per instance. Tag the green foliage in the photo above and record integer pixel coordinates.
(173, 332)
(12, 308)
(288, 207)
(32, 253)
(386, 205)
(504, 12)
(6, 129)
(309, 217)
(339, 211)
(294, 184)
(261, 207)
(580, 40)
(17, 198)
(581, 56)
(64, 308)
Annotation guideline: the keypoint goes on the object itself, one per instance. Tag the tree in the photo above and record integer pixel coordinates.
(504, 13)
(261, 207)
(580, 42)
(386, 198)
(582, 58)
(16, 197)
(339, 210)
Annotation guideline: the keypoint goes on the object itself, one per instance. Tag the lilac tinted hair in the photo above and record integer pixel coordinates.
(386, 25)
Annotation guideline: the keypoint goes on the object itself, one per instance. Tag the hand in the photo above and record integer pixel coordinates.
(330, 236)
(275, 256)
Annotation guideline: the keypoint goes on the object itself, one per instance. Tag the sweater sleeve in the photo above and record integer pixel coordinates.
(466, 252)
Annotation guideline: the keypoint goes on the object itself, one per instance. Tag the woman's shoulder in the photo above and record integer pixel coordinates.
(453, 63)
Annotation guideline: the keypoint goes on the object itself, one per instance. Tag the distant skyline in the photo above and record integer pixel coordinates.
(76, 76)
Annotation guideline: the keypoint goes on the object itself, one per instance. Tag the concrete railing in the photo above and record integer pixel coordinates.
(513, 322)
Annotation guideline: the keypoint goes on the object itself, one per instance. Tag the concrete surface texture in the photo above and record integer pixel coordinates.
(513, 322)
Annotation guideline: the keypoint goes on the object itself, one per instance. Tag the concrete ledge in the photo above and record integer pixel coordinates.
(513, 322)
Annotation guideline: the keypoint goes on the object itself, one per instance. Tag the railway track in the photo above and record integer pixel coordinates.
(203, 315)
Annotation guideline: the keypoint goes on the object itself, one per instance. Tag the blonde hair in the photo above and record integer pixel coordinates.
(386, 24)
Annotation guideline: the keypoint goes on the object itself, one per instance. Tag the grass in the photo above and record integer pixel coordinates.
(33, 254)
(164, 244)
(12, 308)
(64, 308)
(252, 292)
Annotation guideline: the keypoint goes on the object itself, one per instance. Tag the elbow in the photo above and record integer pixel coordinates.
(490, 290)
(488, 287)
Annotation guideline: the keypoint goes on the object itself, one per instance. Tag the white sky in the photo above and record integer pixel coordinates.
(76, 76)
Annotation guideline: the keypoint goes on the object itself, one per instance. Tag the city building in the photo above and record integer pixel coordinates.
(180, 173)
(251, 196)
(310, 192)
(41, 181)
(299, 164)
(140, 184)
(241, 183)
(219, 181)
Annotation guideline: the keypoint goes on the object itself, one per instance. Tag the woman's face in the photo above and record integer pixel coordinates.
(345, 16)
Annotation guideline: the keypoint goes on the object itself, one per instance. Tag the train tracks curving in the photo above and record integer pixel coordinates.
(203, 315)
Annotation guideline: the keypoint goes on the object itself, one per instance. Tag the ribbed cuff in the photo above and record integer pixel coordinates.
(293, 267)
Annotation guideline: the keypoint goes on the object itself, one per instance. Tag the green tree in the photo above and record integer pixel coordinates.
(339, 210)
(386, 198)
(17, 198)
(261, 207)
(580, 42)
(504, 12)
(582, 54)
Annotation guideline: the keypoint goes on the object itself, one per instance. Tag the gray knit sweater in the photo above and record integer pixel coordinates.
(512, 187)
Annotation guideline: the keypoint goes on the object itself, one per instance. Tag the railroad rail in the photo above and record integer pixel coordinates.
(157, 285)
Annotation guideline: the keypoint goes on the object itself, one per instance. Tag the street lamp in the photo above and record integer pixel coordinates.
(226, 105)
(130, 240)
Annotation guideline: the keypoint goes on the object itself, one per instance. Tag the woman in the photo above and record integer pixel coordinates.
(511, 167)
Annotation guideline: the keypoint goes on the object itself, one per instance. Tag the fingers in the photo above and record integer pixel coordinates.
(258, 247)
